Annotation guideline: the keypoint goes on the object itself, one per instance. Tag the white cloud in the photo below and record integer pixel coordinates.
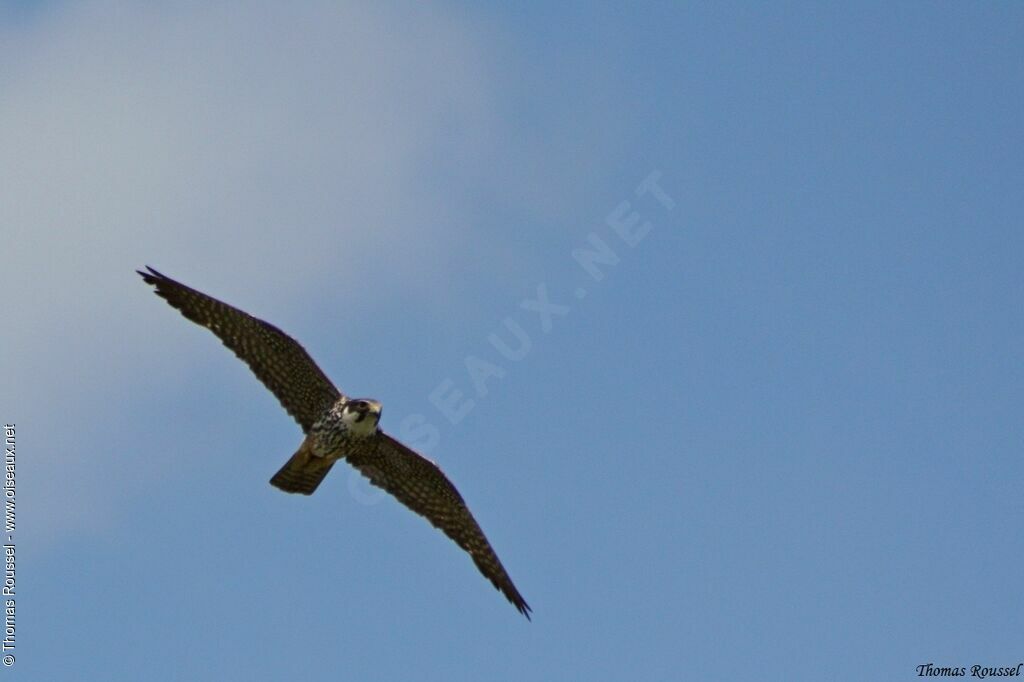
(269, 148)
(226, 133)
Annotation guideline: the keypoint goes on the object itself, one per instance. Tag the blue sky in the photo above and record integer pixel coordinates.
(779, 439)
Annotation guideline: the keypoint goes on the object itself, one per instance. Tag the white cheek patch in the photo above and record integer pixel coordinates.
(364, 427)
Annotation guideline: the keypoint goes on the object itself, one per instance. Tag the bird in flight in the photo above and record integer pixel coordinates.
(337, 427)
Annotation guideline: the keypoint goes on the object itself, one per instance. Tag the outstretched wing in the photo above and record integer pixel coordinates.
(421, 486)
(276, 358)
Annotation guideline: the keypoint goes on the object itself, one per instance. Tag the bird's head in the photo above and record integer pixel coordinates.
(361, 415)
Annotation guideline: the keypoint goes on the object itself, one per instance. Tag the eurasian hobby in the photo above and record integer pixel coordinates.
(337, 427)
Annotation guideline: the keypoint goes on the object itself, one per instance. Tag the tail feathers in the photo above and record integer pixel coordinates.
(302, 473)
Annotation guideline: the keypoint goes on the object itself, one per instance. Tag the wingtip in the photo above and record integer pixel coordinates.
(150, 277)
(517, 601)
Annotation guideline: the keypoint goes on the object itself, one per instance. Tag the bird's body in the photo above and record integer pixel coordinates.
(337, 427)
(346, 427)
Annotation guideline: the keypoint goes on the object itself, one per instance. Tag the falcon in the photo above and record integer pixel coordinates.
(337, 427)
